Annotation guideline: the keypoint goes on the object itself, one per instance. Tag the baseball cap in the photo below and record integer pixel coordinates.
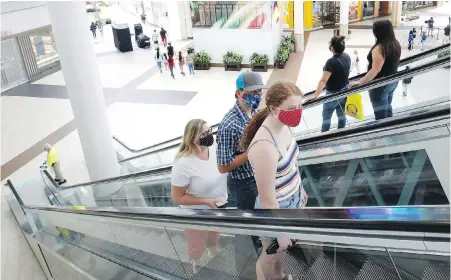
(249, 81)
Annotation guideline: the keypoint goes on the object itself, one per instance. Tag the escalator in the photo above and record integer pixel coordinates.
(396, 161)
(150, 243)
(159, 154)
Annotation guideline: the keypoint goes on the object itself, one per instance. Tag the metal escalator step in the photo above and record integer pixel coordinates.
(380, 269)
(295, 266)
(436, 271)
(324, 268)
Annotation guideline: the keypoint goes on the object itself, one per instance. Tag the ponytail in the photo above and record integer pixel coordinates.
(253, 126)
(158, 53)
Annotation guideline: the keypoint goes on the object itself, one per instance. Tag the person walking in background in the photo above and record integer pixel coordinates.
(163, 34)
(190, 61)
(93, 29)
(171, 65)
(181, 63)
(423, 40)
(100, 27)
(273, 154)
(159, 60)
(334, 79)
(155, 37)
(170, 50)
(355, 62)
(143, 18)
(54, 162)
(446, 31)
(406, 82)
(430, 23)
(410, 40)
(166, 62)
(196, 183)
(383, 61)
(232, 158)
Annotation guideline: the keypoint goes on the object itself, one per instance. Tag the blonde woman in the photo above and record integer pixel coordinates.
(196, 183)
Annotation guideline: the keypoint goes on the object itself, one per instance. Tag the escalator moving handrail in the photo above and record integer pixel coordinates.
(402, 62)
(357, 218)
(441, 111)
(341, 94)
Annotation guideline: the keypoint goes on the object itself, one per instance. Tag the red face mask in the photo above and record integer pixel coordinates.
(290, 118)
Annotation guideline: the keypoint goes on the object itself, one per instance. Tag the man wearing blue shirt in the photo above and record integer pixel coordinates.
(231, 159)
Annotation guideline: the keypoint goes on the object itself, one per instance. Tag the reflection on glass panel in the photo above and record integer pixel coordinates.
(44, 47)
(396, 179)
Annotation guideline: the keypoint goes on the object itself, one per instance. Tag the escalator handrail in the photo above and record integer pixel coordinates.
(402, 62)
(441, 111)
(406, 218)
(338, 95)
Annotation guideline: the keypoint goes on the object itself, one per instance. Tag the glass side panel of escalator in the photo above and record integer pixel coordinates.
(169, 251)
(406, 178)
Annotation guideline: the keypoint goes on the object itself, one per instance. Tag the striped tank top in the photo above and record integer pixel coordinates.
(288, 179)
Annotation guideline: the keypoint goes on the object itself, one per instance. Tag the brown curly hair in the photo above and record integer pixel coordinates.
(276, 94)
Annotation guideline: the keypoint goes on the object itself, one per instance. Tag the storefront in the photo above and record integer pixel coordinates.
(327, 13)
(413, 5)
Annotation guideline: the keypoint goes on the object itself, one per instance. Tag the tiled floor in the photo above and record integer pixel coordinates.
(18, 260)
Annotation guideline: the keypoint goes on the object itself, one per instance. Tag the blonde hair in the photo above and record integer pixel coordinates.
(192, 129)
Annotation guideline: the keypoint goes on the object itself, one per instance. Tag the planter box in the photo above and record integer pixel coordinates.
(259, 67)
(293, 47)
(233, 67)
(200, 66)
(281, 65)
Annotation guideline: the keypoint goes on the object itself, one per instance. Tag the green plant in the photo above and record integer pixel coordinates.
(231, 57)
(444, 53)
(282, 54)
(202, 58)
(259, 59)
(190, 50)
(92, 10)
(289, 39)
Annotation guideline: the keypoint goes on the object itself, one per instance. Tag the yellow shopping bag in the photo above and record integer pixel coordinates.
(354, 106)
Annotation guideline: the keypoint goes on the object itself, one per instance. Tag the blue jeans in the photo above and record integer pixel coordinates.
(190, 67)
(328, 111)
(242, 193)
(381, 99)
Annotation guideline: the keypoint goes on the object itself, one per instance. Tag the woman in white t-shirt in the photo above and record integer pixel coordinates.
(197, 183)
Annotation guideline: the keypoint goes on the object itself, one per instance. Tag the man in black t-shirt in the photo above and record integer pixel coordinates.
(335, 78)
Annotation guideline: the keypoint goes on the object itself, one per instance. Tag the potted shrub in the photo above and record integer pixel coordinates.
(190, 50)
(232, 61)
(259, 63)
(444, 53)
(202, 61)
(282, 56)
(289, 40)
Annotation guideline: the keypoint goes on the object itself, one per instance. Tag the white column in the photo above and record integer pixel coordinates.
(344, 18)
(179, 20)
(299, 25)
(81, 74)
(396, 12)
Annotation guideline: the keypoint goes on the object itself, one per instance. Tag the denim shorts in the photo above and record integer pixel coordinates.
(292, 202)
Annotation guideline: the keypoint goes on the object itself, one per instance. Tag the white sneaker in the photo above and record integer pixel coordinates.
(196, 266)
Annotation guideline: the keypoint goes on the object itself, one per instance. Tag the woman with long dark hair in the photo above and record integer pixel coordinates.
(181, 63)
(273, 153)
(383, 60)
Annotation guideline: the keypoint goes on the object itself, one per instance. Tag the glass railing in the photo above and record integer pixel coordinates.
(312, 116)
(354, 243)
(394, 162)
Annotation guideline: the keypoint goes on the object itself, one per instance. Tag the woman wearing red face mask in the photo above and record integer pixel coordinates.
(273, 152)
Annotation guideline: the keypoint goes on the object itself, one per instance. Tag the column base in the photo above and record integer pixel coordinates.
(299, 42)
(344, 31)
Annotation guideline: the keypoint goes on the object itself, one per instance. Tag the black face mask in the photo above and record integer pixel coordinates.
(206, 141)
